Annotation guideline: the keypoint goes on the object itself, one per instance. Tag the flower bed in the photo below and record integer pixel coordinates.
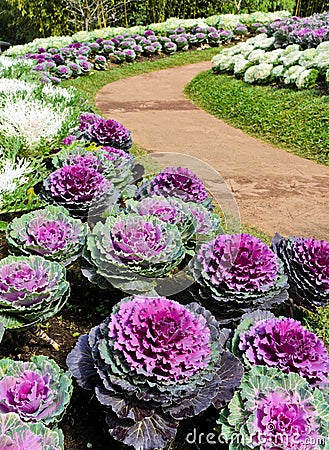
(53, 62)
(153, 364)
(293, 52)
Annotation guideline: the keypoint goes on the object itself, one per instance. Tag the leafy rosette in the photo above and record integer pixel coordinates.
(114, 164)
(238, 273)
(49, 232)
(16, 434)
(38, 390)
(104, 132)
(208, 223)
(168, 209)
(130, 251)
(282, 343)
(273, 410)
(31, 289)
(78, 188)
(152, 363)
(306, 262)
(177, 182)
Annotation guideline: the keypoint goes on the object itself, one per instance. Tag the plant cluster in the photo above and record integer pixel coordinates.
(152, 363)
(308, 32)
(291, 51)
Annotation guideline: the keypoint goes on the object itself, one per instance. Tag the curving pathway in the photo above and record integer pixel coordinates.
(274, 190)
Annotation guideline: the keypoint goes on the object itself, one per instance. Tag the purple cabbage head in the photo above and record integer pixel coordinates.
(306, 262)
(49, 232)
(131, 251)
(178, 182)
(168, 209)
(38, 390)
(17, 435)
(104, 132)
(31, 289)
(240, 272)
(273, 410)
(152, 363)
(285, 344)
(78, 188)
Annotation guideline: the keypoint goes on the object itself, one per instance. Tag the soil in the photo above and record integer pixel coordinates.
(275, 191)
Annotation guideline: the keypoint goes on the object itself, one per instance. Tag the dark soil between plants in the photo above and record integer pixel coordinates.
(84, 424)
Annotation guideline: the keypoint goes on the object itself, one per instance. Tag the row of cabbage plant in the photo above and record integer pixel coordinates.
(294, 52)
(52, 63)
(222, 21)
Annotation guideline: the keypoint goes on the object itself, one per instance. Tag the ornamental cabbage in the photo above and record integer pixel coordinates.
(152, 363)
(37, 390)
(238, 273)
(16, 435)
(31, 289)
(48, 232)
(273, 410)
(78, 188)
(306, 262)
(104, 132)
(282, 343)
(177, 182)
(130, 251)
(114, 164)
(168, 209)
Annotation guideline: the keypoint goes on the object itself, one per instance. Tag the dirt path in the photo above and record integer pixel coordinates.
(274, 190)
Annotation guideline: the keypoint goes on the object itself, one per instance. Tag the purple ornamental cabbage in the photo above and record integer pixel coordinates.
(131, 251)
(105, 132)
(282, 343)
(38, 391)
(306, 262)
(18, 435)
(208, 223)
(168, 209)
(114, 164)
(78, 188)
(31, 290)
(152, 363)
(238, 273)
(272, 410)
(177, 182)
(49, 232)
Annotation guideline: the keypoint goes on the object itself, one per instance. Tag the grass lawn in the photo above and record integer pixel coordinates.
(294, 120)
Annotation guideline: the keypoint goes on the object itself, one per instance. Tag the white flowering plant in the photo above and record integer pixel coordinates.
(17, 178)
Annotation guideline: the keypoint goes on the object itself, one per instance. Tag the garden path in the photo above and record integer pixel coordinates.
(274, 190)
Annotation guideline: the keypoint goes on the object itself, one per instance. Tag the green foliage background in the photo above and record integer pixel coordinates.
(23, 20)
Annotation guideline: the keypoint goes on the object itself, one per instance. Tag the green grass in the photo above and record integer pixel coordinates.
(294, 120)
(91, 84)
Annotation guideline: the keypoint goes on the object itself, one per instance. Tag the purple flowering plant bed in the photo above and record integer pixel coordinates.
(308, 32)
(52, 65)
(200, 342)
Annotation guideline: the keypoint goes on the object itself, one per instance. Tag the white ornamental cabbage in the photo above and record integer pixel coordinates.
(259, 73)
(308, 58)
(266, 44)
(292, 73)
(272, 57)
(307, 78)
(256, 55)
(322, 60)
(278, 71)
(222, 63)
(241, 64)
(291, 58)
